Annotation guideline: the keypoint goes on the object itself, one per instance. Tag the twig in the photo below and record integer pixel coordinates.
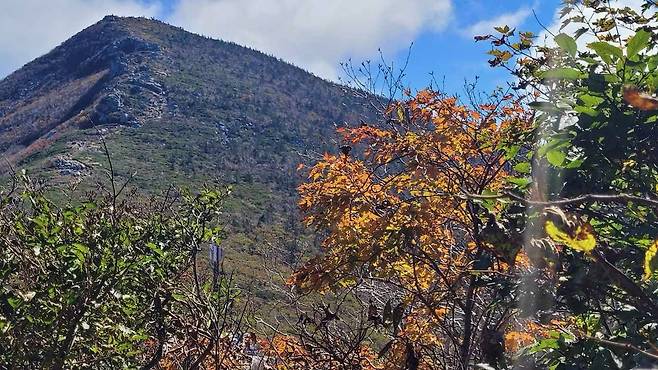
(626, 346)
(541, 24)
(607, 198)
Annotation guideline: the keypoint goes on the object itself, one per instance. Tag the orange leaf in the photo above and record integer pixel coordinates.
(639, 99)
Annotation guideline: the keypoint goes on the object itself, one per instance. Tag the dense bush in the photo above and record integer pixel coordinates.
(106, 282)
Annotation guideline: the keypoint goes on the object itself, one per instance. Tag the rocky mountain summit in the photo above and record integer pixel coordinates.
(131, 71)
(80, 83)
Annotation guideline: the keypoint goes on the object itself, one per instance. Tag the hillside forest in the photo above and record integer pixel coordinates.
(511, 229)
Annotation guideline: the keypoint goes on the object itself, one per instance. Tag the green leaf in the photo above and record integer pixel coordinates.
(576, 163)
(586, 110)
(178, 296)
(14, 302)
(556, 142)
(590, 100)
(80, 251)
(520, 181)
(555, 157)
(489, 204)
(637, 43)
(606, 51)
(567, 43)
(155, 249)
(522, 167)
(551, 343)
(562, 74)
(512, 151)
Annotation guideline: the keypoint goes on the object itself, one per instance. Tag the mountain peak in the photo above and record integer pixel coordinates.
(134, 25)
(111, 18)
(133, 71)
(78, 84)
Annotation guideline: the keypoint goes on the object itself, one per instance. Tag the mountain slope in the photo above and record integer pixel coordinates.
(178, 108)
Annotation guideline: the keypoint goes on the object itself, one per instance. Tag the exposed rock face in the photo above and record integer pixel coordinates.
(117, 55)
(69, 167)
(109, 109)
(132, 95)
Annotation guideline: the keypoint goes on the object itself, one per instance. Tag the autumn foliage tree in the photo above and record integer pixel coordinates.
(396, 208)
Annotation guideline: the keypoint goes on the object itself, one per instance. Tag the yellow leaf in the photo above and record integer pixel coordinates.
(400, 114)
(648, 258)
(583, 239)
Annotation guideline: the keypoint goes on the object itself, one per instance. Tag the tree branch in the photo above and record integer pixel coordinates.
(626, 346)
(605, 198)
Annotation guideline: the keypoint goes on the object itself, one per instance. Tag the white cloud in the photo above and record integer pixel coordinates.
(315, 34)
(485, 27)
(30, 28)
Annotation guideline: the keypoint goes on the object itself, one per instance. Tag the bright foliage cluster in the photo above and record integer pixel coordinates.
(396, 205)
(396, 208)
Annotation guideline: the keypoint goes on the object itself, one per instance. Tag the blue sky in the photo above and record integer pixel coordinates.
(314, 34)
(453, 56)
